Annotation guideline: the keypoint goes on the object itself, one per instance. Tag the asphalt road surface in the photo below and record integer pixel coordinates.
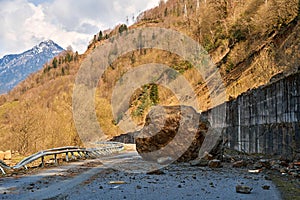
(124, 176)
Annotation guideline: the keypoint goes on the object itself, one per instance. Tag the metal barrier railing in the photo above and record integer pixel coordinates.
(103, 148)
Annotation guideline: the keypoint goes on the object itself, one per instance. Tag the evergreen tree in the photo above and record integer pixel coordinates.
(54, 63)
(100, 36)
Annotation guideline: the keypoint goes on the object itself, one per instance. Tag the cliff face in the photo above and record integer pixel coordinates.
(249, 42)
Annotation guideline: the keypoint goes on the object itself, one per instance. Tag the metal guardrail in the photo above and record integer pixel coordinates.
(103, 148)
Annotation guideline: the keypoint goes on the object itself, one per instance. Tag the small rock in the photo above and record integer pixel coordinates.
(254, 171)
(266, 187)
(117, 182)
(207, 156)
(282, 170)
(239, 164)
(179, 186)
(100, 187)
(243, 189)
(138, 187)
(265, 163)
(214, 164)
(199, 162)
(284, 163)
(30, 187)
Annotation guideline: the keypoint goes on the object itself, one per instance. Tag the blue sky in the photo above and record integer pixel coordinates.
(25, 23)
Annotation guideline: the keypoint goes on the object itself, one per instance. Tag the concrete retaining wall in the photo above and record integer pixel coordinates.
(263, 120)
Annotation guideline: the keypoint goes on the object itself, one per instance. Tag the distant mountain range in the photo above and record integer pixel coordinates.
(16, 67)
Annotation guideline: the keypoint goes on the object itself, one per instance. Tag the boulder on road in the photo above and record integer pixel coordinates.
(172, 131)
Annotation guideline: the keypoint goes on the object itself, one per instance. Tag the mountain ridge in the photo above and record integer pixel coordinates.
(15, 68)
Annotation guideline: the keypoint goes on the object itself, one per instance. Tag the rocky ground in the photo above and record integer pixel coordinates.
(125, 176)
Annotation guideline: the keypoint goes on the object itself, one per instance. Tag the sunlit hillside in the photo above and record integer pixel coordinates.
(249, 41)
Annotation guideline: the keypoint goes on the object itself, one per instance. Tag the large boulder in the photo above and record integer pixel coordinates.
(172, 133)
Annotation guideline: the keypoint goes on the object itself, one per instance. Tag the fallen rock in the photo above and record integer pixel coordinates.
(172, 131)
(214, 163)
(266, 187)
(243, 189)
(239, 164)
(265, 163)
(207, 156)
(212, 144)
(254, 171)
(117, 182)
(138, 187)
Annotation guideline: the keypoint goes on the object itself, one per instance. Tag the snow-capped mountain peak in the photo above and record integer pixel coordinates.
(16, 67)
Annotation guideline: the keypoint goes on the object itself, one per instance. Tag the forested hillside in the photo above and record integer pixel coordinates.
(249, 41)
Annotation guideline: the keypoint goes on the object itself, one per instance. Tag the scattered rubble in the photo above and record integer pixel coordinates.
(259, 163)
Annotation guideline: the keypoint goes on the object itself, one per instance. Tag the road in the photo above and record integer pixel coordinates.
(92, 179)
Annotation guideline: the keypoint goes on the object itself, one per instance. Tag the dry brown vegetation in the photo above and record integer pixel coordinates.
(249, 41)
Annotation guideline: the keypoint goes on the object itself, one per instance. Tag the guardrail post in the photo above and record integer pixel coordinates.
(73, 157)
(67, 157)
(79, 154)
(2, 170)
(43, 164)
(55, 159)
(86, 154)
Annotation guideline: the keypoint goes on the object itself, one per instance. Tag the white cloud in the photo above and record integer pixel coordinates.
(24, 23)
